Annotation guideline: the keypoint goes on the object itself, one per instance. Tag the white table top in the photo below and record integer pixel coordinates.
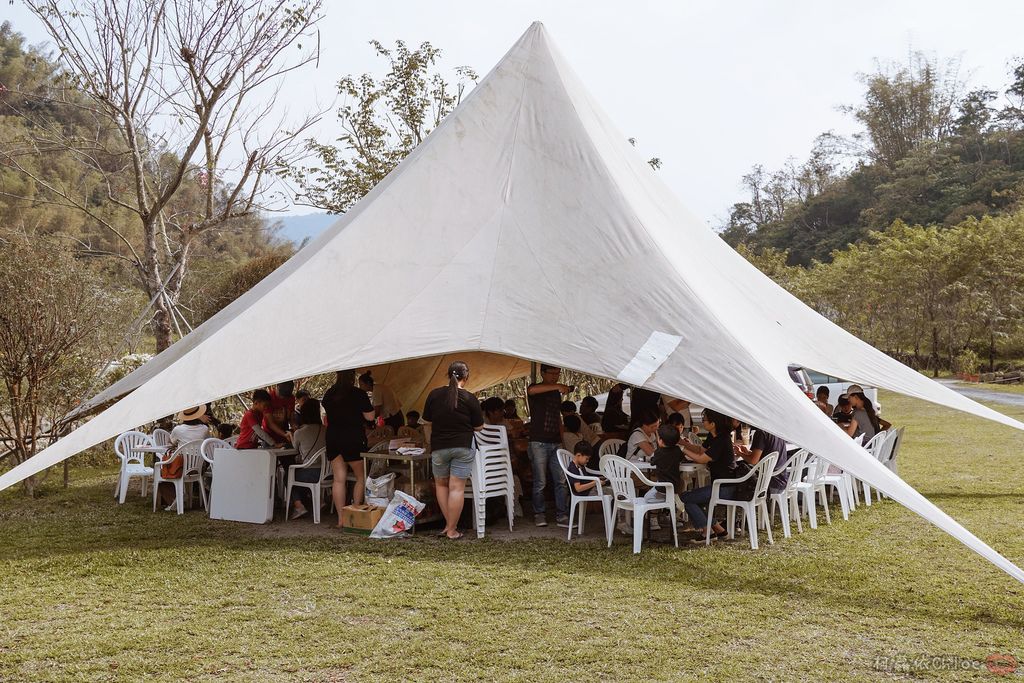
(152, 449)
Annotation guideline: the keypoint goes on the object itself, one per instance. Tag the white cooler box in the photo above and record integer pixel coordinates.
(243, 485)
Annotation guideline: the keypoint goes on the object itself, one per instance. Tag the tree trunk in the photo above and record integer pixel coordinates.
(162, 325)
(992, 351)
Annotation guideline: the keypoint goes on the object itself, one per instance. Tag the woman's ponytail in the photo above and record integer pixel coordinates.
(457, 372)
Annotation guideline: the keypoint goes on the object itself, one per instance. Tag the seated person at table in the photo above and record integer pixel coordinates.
(511, 411)
(644, 438)
(614, 418)
(588, 411)
(225, 430)
(843, 415)
(282, 407)
(761, 445)
(301, 396)
(412, 418)
(717, 454)
(822, 400)
(192, 427)
(680, 407)
(585, 430)
(666, 461)
(309, 438)
(571, 435)
(494, 411)
(582, 452)
(868, 421)
(250, 430)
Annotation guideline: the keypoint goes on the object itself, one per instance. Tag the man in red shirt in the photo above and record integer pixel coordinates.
(250, 427)
(282, 406)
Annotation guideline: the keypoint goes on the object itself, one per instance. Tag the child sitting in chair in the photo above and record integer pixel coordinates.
(578, 468)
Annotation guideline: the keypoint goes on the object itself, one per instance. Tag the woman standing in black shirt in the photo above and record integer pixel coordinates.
(718, 455)
(348, 410)
(454, 414)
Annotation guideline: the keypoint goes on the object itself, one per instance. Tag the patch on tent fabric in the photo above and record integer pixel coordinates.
(655, 351)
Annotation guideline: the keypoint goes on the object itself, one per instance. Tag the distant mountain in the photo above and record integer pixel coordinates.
(295, 229)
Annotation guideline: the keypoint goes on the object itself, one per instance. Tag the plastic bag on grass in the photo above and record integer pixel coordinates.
(399, 518)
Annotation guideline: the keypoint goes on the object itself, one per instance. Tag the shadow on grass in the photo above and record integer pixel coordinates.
(85, 520)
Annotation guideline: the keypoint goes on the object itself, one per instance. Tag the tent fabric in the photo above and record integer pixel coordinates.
(525, 225)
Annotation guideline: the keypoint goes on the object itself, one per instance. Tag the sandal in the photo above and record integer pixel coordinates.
(456, 538)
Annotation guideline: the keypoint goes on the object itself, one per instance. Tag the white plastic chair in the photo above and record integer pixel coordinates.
(762, 471)
(596, 494)
(610, 447)
(206, 451)
(620, 474)
(161, 437)
(491, 476)
(316, 488)
(786, 499)
(891, 462)
(885, 453)
(872, 447)
(191, 473)
(840, 484)
(133, 463)
(811, 492)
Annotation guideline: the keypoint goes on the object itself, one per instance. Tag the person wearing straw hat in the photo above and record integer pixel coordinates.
(192, 426)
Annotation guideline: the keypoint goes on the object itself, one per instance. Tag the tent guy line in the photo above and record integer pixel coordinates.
(478, 224)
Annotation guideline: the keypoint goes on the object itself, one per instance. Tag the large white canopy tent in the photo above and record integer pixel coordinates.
(527, 227)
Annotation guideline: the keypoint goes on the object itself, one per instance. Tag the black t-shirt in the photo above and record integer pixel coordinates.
(666, 462)
(768, 444)
(723, 460)
(545, 416)
(575, 471)
(344, 407)
(452, 428)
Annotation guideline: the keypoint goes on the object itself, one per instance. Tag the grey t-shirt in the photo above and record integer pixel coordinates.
(308, 439)
(864, 425)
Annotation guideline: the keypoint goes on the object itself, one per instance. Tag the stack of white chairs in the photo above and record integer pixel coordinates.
(133, 463)
(621, 475)
(761, 473)
(316, 488)
(491, 476)
(785, 501)
(596, 495)
(191, 473)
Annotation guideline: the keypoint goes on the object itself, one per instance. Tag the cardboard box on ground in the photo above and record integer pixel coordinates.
(361, 516)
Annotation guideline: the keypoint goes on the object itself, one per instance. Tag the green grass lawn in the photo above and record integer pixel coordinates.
(90, 590)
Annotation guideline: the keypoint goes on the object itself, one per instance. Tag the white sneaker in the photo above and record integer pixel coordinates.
(624, 528)
(655, 525)
(172, 506)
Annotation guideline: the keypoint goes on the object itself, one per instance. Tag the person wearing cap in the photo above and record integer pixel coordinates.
(867, 421)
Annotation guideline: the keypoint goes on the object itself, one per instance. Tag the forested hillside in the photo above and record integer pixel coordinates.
(909, 233)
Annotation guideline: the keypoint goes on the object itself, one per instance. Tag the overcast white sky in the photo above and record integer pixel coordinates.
(710, 87)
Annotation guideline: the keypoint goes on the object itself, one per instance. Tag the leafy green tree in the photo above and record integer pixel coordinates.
(166, 87)
(58, 323)
(382, 121)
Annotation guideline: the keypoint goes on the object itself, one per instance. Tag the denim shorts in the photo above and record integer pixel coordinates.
(452, 462)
